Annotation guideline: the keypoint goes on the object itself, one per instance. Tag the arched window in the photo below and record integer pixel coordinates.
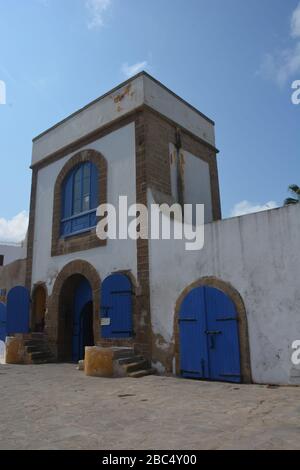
(79, 199)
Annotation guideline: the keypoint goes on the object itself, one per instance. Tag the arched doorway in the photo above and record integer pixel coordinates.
(39, 301)
(211, 337)
(18, 309)
(75, 327)
(59, 325)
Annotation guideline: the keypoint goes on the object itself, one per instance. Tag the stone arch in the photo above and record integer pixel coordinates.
(236, 298)
(88, 239)
(86, 270)
(39, 287)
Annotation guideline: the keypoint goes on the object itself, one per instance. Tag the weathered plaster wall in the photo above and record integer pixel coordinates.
(94, 116)
(12, 275)
(166, 103)
(196, 180)
(259, 256)
(127, 97)
(119, 150)
(12, 252)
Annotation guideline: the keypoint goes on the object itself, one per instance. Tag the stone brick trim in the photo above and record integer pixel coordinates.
(88, 239)
(86, 270)
(144, 332)
(30, 234)
(233, 294)
(159, 132)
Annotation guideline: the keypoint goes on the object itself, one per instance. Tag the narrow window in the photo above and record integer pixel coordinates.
(79, 199)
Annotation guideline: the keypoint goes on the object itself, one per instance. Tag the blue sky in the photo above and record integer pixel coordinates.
(235, 60)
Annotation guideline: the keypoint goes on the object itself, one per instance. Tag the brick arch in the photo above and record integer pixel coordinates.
(77, 267)
(236, 298)
(36, 287)
(88, 239)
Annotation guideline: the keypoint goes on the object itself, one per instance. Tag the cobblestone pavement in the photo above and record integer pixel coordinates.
(55, 406)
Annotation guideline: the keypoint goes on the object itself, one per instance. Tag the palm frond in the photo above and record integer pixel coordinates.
(290, 201)
(294, 188)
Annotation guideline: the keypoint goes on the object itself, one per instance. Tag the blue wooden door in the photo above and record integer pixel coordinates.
(223, 336)
(116, 307)
(209, 340)
(193, 351)
(83, 296)
(18, 305)
(2, 322)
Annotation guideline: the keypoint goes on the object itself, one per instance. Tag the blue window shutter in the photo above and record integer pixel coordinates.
(77, 190)
(67, 196)
(79, 195)
(94, 199)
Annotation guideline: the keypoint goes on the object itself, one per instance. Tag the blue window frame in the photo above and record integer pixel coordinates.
(79, 200)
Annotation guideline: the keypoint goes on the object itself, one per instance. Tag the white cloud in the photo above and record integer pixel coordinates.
(130, 70)
(246, 207)
(96, 9)
(295, 24)
(14, 230)
(283, 64)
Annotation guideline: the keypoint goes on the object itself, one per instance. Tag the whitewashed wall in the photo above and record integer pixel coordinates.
(119, 150)
(196, 180)
(141, 89)
(259, 255)
(12, 252)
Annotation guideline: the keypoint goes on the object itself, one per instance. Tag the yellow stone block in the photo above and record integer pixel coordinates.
(98, 362)
(14, 350)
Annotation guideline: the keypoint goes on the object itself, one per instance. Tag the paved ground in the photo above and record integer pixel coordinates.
(58, 407)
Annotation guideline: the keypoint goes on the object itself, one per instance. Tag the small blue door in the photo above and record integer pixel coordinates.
(83, 307)
(2, 322)
(116, 307)
(193, 352)
(18, 306)
(209, 339)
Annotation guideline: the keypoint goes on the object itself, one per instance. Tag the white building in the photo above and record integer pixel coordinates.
(226, 312)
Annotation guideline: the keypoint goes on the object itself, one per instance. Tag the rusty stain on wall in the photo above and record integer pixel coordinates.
(119, 97)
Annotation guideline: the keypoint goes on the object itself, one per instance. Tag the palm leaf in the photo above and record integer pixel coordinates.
(290, 201)
(294, 188)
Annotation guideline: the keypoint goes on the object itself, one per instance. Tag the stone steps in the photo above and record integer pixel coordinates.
(135, 366)
(129, 364)
(122, 353)
(142, 373)
(37, 349)
(130, 360)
